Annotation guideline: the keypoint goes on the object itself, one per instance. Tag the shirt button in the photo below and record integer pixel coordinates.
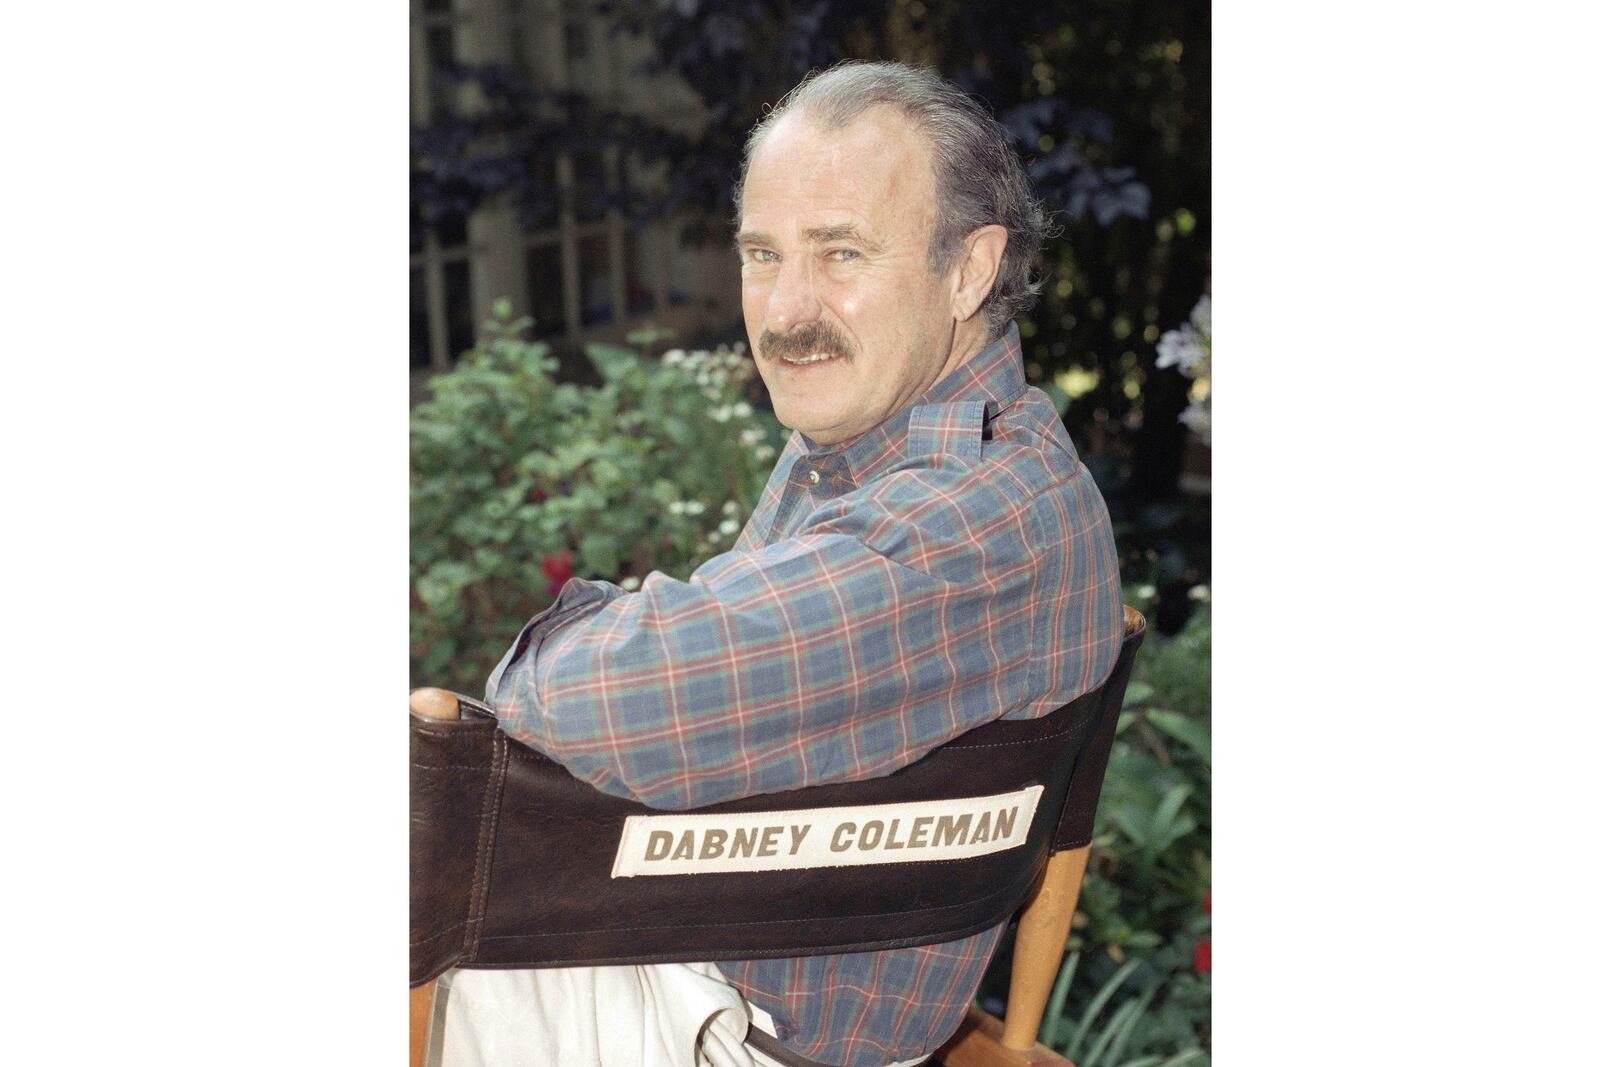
(814, 477)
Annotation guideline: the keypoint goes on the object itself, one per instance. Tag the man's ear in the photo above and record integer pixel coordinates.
(976, 271)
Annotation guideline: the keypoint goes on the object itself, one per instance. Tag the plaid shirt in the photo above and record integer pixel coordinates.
(952, 566)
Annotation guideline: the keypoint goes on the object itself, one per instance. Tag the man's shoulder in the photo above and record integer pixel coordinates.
(971, 474)
(1031, 426)
(1020, 450)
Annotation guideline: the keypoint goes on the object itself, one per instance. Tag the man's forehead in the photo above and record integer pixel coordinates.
(877, 134)
(837, 182)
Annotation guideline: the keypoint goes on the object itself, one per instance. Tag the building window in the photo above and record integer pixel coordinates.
(579, 268)
(441, 286)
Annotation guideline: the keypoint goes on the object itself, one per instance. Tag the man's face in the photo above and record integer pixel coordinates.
(847, 323)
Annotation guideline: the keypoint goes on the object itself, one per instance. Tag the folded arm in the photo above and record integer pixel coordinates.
(816, 659)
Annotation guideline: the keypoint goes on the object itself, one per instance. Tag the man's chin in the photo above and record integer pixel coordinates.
(821, 427)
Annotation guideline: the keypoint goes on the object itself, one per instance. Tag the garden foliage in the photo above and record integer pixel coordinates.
(519, 482)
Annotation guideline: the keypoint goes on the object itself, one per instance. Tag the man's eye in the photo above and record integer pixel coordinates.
(763, 255)
(844, 255)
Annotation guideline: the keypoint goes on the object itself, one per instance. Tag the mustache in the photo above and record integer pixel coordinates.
(802, 341)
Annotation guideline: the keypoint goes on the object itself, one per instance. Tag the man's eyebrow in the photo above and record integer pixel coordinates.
(845, 231)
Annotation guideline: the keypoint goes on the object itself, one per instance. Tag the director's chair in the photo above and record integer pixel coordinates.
(515, 863)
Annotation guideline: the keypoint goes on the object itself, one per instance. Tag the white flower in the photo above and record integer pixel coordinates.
(742, 410)
(1145, 592)
(1180, 347)
(1190, 344)
(630, 583)
(729, 507)
(1189, 349)
(673, 358)
(677, 507)
(764, 452)
(693, 507)
(751, 436)
(728, 526)
(1200, 592)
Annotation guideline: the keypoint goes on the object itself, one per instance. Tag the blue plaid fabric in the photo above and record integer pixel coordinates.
(950, 567)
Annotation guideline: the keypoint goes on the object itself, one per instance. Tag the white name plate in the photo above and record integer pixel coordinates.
(916, 832)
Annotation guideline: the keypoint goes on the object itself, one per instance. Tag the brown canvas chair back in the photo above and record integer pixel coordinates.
(515, 863)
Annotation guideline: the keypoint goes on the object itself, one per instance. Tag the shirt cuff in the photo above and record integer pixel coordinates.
(578, 598)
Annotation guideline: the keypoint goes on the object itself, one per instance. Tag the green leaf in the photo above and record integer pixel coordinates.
(1127, 1013)
(1114, 1053)
(678, 429)
(1193, 735)
(602, 554)
(1130, 819)
(1166, 815)
(649, 335)
(441, 586)
(1099, 1002)
(1138, 693)
(613, 362)
(436, 660)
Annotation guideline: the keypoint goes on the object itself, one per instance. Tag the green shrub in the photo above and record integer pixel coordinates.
(518, 481)
(1151, 859)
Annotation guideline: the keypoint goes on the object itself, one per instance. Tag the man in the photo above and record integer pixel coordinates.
(928, 555)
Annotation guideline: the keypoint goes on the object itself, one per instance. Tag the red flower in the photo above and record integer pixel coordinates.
(1202, 957)
(558, 568)
(1208, 902)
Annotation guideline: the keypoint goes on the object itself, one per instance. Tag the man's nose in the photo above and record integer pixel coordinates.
(793, 300)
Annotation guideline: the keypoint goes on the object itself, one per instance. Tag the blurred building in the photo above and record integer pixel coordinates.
(583, 274)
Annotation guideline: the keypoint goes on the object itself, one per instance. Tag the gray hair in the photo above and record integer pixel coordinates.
(978, 179)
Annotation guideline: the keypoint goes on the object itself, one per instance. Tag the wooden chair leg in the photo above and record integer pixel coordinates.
(432, 704)
(984, 1041)
(1041, 939)
(421, 1015)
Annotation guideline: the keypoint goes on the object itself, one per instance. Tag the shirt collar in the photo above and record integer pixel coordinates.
(993, 376)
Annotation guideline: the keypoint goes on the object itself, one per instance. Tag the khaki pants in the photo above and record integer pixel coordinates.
(649, 1015)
